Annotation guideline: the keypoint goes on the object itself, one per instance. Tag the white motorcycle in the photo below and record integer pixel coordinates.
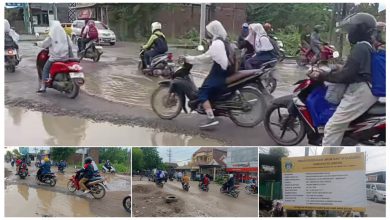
(11, 59)
(106, 170)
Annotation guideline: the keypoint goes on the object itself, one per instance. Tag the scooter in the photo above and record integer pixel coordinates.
(160, 183)
(91, 51)
(48, 179)
(96, 185)
(11, 59)
(161, 65)
(127, 203)
(203, 187)
(106, 170)
(233, 192)
(23, 171)
(65, 76)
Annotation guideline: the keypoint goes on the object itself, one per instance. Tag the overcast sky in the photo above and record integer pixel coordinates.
(376, 156)
(180, 155)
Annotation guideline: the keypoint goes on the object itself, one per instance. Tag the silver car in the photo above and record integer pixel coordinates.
(105, 34)
(376, 192)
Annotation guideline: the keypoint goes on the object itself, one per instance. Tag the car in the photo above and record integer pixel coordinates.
(105, 34)
(376, 192)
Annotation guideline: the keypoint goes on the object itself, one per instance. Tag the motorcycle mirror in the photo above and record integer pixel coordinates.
(200, 48)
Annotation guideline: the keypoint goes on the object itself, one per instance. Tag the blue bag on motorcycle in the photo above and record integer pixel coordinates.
(378, 73)
(320, 109)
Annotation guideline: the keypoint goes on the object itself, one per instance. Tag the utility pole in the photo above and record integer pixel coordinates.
(202, 28)
(169, 155)
(55, 11)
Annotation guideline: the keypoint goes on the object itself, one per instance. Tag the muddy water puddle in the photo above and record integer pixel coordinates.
(39, 128)
(31, 202)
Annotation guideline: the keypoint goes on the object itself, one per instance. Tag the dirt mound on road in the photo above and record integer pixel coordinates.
(149, 201)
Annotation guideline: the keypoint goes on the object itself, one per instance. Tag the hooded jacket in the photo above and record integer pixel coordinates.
(155, 43)
(217, 51)
(57, 42)
(258, 38)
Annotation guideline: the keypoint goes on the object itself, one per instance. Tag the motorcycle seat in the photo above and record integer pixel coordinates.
(240, 75)
(378, 108)
(160, 55)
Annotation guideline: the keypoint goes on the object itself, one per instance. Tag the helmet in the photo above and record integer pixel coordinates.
(88, 160)
(46, 159)
(359, 26)
(267, 27)
(230, 175)
(317, 28)
(245, 25)
(156, 26)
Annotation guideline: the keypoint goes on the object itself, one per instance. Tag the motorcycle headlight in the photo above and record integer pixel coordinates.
(336, 54)
(280, 43)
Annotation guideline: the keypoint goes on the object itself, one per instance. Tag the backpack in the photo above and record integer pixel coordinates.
(8, 41)
(320, 109)
(378, 71)
(233, 55)
(160, 44)
(93, 32)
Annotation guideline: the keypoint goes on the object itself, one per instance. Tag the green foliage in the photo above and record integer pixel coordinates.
(151, 158)
(114, 154)
(279, 151)
(16, 152)
(8, 155)
(138, 159)
(61, 153)
(220, 179)
(290, 38)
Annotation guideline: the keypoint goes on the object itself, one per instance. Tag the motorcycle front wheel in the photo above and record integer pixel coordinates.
(235, 194)
(98, 191)
(71, 187)
(127, 203)
(291, 128)
(53, 182)
(256, 108)
(166, 106)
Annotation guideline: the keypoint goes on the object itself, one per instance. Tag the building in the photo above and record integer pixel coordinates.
(98, 12)
(270, 177)
(242, 162)
(81, 153)
(208, 160)
(377, 177)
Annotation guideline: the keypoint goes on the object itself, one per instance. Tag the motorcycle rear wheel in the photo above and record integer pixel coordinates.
(53, 182)
(165, 104)
(75, 90)
(235, 194)
(283, 119)
(257, 111)
(71, 187)
(127, 203)
(100, 189)
(270, 84)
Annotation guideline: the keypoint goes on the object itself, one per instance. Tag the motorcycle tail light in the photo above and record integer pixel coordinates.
(170, 57)
(10, 51)
(302, 86)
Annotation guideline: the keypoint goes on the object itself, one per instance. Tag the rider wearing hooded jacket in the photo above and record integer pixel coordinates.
(216, 79)
(156, 44)
(356, 74)
(60, 48)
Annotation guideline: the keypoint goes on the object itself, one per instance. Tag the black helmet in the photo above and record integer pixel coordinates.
(88, 160)
(359, 26)
(317, 28)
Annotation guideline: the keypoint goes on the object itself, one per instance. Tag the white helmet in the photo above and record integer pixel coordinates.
(231, 175)
(156, 26)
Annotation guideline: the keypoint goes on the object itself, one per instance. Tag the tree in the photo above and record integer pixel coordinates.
(16, 152)
(61, 153)
(114, 154)
(138, 159)
(8, 155)
(279, 151)
(151, 158)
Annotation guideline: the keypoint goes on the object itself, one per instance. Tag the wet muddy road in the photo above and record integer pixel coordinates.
(44, 201)
(117, 94)
(192, 203)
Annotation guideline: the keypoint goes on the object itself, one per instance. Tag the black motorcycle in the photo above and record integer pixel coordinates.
(185, 186)
(242, 103)
(48, 178)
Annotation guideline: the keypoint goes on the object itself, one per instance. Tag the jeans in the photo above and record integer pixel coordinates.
(148, 56)
(357, 99)
(260, 58)
(46, 70)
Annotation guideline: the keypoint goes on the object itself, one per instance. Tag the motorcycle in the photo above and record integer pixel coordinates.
(292, 113)
(251, 189)
(11, 59)
(61, 169)
(243, 104)
(160, 183)
(96, 185)
(185, 186)
(161, 65)
(203, 187)
(328, 55)
(106, 170)
(233, 192)
(127, 203)
(65, 76)
(91, 51)
(280, 48)
(38, 164)
(48, 178)
(23, 171)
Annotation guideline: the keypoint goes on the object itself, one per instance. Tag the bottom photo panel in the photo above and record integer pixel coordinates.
(195, 181)
(322, 182)
(67, 181)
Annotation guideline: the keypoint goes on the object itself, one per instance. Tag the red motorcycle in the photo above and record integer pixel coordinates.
(291, 117)
(65, 76)
(23, 171)
(306, 55)
(96, 185)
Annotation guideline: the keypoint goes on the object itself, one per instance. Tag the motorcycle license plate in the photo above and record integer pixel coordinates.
(76, 75)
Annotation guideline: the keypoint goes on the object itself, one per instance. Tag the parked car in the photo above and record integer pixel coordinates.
(376, 192)
(105, 34)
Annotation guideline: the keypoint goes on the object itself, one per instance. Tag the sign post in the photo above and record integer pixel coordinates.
(327, 182)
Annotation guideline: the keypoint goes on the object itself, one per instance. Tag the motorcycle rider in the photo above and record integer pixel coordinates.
(160, 176)
(244, 44)
(215, 81)
(60, 48)
(156, 44)
(316, 43)
(87, 174)
(263, 47)
(179, 176)
(356, 74)
(89, 33)
(10, 36)
(61, 165)
(229, 184)
(206, 181)
(186, 180)
(44, 168)
(108, 165)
